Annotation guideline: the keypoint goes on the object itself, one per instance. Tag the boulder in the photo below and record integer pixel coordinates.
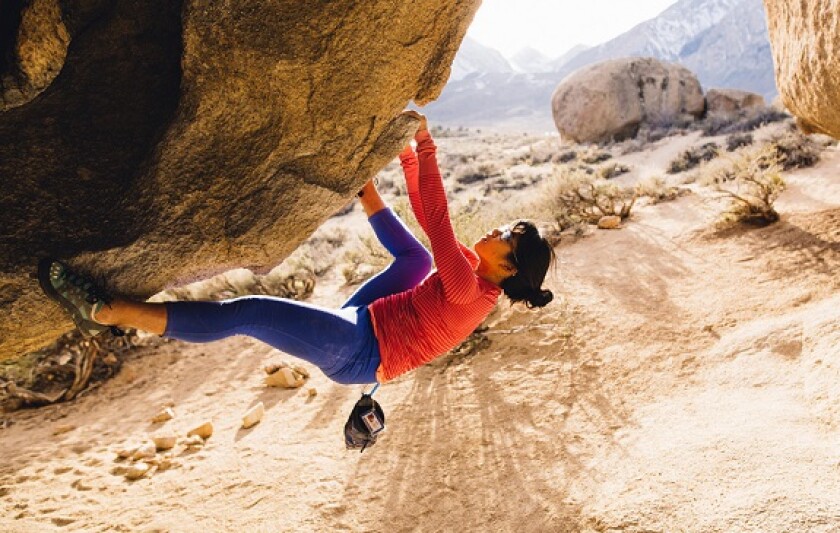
(805, 40)
(731, 101)
(612, 99)
(150, 144)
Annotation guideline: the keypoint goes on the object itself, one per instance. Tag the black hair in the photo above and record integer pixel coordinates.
(532, 256)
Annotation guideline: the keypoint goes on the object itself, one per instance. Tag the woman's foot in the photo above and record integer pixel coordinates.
(78, 295)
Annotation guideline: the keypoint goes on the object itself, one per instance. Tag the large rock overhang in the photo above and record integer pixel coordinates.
(156, 142)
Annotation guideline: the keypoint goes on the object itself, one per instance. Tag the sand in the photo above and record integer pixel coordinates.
(683, 380)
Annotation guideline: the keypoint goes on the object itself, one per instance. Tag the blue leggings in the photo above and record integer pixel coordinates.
(340, 342)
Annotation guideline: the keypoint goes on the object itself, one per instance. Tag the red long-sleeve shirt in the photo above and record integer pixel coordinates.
(415, 326)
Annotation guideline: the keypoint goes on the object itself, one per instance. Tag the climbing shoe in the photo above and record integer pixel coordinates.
(77, 294)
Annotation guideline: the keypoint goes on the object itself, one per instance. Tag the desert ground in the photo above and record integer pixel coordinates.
(685, 378)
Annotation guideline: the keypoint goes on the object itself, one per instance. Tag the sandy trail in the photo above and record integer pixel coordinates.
(684, 380)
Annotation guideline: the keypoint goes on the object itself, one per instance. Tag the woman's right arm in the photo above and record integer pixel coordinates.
(411, 169)
(456, 272)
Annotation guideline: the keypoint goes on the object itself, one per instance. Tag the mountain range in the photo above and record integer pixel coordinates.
(724, 42)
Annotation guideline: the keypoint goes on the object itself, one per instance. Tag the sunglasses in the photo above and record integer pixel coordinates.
(507, 235)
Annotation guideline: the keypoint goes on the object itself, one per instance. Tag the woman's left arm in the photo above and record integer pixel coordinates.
(459, 281)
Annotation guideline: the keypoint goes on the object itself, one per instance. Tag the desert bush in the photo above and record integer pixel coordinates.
(475, 172)
(693, 157)
(580, 198)
(751, 180)
(795, 150)
(593, 156)
(612, 170)
(744, 121)
(564, 156)
(365, 260)
(657, 190)
(738, 140)
(297, 284)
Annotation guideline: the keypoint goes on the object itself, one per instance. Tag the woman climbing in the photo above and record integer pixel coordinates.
(395, 322)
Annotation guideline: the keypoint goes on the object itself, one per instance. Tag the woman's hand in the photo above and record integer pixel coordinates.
(424, 125)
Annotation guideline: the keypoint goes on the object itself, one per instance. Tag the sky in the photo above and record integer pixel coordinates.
(555, 26)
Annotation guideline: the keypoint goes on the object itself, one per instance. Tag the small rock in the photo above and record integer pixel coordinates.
(274, 367)
(285, 377)
(194, 441)
(137, 470)
(312, 392)
(163, 416)
(164, 442)
(110, 359)
(66, 428)
(164, 462)
(81, 485)
(609, 222)
(145, 451)
(127, 451)
(253, 416)
(204, 431)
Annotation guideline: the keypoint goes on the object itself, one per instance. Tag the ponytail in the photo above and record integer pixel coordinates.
(532, 257)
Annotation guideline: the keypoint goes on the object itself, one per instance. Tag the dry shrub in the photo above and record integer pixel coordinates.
(795, 150)
(738, 140)
(577, 197)
(364, 261)
(298, 283)
(475, 172)
(751, 179)
(657, 190)
(693, 157)
(593, 156)
(612, 170)
(740, 122)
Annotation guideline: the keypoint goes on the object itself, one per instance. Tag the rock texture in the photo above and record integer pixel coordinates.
(805, 39)
(181, 140)
(732, 101)
(610, 100)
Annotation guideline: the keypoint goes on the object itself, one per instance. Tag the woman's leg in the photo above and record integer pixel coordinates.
(336, 341)
(149, 317)
(412, 262)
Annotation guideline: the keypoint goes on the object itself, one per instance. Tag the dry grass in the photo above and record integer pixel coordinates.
(576, 197)
(744, 121)
(751, 180)
(738, 140)
(795, 150)
(693, 157)
(657, 190)
(612, 170)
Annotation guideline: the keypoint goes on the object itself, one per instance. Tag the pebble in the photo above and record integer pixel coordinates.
(194, 441)
(312, 392)
(137, 470)
(128, 451)
(164, 442)
(253, 416)
(66, 428)
(163, 416)
(609, 222)
(145, 451)
(285, 377)
(204, 431)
